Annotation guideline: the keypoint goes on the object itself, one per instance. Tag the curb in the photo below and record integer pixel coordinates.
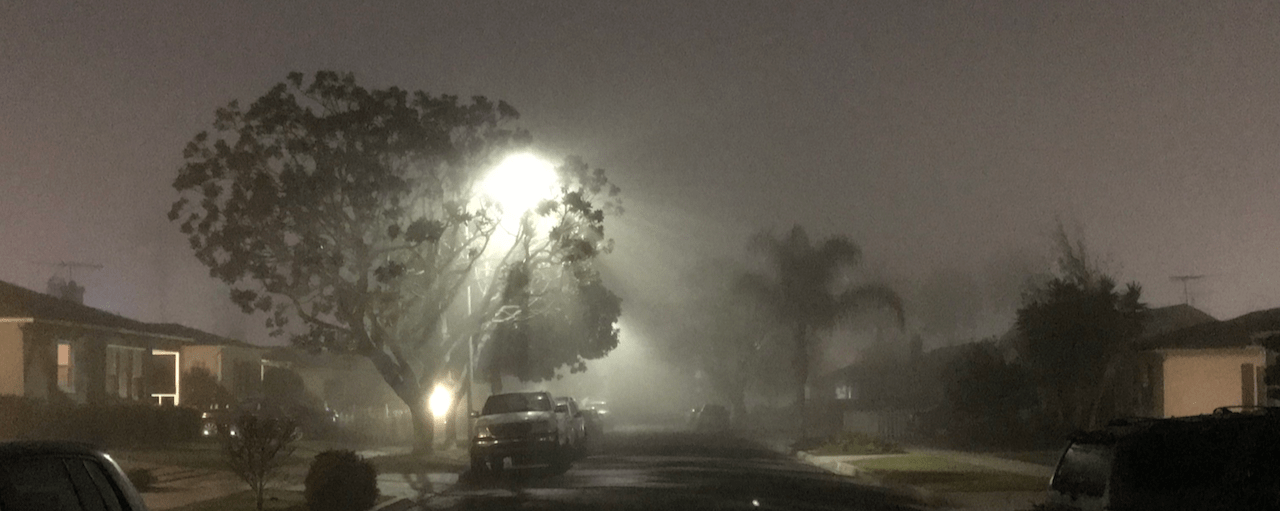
(926, 497)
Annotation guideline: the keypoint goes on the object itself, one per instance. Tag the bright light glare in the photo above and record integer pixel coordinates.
(519, 182)
(439, 401)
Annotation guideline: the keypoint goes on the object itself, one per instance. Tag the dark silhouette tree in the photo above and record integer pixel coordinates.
(723, 335)
(359, 212)
(808, 288)
(201, 390)
(1076, 327)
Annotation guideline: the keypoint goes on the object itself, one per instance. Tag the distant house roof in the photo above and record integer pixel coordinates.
(199, 336)
(1163, 320)
(17, 302)
(1261, 327)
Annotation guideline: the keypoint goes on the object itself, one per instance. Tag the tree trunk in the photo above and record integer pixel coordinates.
(495, 383)
(452, 420)
(738, 399)
(801, 361)
(400, 376)
(423, 426)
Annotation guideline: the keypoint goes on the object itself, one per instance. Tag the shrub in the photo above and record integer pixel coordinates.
(103, 425)
(341, 480)
(256, 448)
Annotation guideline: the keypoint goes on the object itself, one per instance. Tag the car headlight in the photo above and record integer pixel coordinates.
(483, 432)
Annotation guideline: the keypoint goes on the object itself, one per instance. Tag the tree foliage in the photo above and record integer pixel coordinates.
(808, 287)
(201, 390)
(359, 212)
(1075, 326)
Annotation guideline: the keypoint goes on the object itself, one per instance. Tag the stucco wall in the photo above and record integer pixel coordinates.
(1197, 381)
(11, 359)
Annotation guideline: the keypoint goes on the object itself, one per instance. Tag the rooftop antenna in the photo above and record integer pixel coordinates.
(70, 267)
(1184, 279)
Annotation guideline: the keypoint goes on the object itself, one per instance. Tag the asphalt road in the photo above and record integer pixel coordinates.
(670, 471)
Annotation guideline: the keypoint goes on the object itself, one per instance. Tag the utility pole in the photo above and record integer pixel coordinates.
(1185, 279)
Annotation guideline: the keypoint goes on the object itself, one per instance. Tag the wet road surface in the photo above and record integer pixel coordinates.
(670, 471)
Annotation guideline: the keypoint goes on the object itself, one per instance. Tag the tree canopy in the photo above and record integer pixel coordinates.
(354, 218)
(1074, 327)
(808, 288)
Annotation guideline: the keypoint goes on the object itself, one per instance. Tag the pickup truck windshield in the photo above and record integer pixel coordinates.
(508, 403)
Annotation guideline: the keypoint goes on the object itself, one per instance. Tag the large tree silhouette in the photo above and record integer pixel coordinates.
(1078, 327)
(359, 212)
(807, 287)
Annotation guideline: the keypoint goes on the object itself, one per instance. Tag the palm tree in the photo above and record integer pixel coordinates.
(804, 290)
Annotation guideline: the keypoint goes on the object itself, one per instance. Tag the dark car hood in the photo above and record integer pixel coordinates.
(506, 418)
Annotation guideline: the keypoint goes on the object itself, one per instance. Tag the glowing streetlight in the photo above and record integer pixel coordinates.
(439, 401)
(519, 183)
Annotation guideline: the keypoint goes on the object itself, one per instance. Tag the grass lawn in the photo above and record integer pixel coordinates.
(276, 500)
(941, 474)
(1046, 458)
(201, 454)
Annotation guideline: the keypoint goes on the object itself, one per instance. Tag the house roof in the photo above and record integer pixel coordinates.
(20, 302)
(198, 336)
(1249, 329)
(1163, 320)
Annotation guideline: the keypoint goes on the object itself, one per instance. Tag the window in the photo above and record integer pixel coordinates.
(124, 371)
(846, 392)
(66, 368)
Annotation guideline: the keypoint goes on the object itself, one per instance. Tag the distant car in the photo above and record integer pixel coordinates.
(710, 418)
(1226, 460)
(576, 424)
(519, 429)
(62, 475)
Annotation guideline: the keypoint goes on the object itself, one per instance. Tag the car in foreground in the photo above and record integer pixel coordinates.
(62, 475)
(519, 429)
(1223, 460)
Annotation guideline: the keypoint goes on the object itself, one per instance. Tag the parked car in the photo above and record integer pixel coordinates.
(62, 475)
(596, 415)
(1225, 460)
(519, 429)
(575, 424)
(710, 417)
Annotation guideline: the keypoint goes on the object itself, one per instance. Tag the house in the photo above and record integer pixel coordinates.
(236, 365)
(51, 348)
(1194, 370)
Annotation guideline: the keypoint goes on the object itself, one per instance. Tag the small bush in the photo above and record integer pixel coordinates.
(141, 478)
(341, 480)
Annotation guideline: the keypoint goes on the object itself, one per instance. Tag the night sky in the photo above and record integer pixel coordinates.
(943, 137)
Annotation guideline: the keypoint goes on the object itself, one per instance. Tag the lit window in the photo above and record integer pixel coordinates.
(66, 368)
